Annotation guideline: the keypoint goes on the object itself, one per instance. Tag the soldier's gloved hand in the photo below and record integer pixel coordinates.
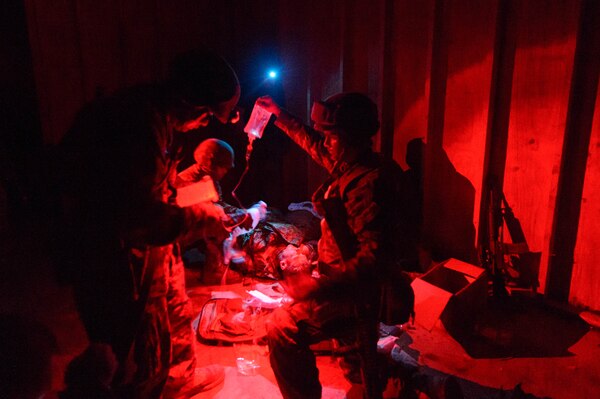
(268, 104)
(258, 212)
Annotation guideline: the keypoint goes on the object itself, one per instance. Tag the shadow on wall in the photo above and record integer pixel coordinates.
(445, 205)
(512, 328)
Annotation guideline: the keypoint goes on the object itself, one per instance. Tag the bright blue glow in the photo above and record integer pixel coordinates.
(272, 74)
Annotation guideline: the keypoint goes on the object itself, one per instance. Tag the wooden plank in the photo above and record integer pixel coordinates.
(56, 64)
(470, 59)
(412, 51)
(542, 74)
(324, 68)
(356, 31)
(585, 283)
(388, 82)
(294, 81)
(439, 75)
(584, 86)
(140, 31)
(100, 39)
(498, 113)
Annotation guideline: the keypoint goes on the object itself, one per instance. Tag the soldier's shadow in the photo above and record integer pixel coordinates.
(522, 326)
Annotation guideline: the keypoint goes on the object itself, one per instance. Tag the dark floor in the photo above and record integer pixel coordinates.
(521, 348)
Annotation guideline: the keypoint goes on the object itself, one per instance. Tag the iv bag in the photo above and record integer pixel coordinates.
(257, 122)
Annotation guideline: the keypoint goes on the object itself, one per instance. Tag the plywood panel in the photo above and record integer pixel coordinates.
(100, 40)
(325, 50)
(585, 283)
(56, 64)
(357, 29)
(325, 55)
(294, 46)
(362, 46)
(471, 29)
(183, 24)
(412, 49)
(142, 57)
(543, 67)
(292, 35)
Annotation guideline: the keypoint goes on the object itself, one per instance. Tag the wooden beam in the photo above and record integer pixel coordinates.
(388, 99)
(439, 75)
(582, 98)
(498, 112)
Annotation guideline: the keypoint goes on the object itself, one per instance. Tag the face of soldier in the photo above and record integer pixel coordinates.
(219, 172)
(226, 112)
(200, 117)
(193, 117)
(334, 145)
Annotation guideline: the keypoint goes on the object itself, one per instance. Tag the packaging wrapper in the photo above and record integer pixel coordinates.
(202, 191)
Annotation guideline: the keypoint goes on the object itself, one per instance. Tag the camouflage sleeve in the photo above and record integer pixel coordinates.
(308, 139)
(190, 175)
(145, 180)
(118, 162)
(145, 183)
(236, 216)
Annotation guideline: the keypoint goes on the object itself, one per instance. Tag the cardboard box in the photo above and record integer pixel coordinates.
(452, 291)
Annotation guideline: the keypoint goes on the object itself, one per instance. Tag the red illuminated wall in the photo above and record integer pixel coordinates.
(540, 96)
(585, 284)
(432, 77)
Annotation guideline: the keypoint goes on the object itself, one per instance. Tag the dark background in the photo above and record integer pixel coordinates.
(507, 89)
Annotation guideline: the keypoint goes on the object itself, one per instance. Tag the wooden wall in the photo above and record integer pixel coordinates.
(546, 33)
(488, 84)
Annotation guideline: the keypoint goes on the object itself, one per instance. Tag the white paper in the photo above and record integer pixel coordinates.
(264, 298)
(202, 191)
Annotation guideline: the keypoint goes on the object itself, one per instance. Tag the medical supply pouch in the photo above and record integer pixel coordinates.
(230, 320)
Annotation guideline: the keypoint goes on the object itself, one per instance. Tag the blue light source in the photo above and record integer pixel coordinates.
(272, 74)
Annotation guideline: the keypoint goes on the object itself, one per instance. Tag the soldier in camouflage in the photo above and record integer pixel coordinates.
(118, 166)
(362, 236)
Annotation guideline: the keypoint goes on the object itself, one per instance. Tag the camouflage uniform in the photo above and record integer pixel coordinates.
(236, 216)
(360, 199)
(126, 269)
(214, 266)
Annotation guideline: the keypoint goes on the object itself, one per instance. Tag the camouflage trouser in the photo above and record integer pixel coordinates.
(183, 339)
(293, 328)
(135, 300)
(165, 347)
(151, 351)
